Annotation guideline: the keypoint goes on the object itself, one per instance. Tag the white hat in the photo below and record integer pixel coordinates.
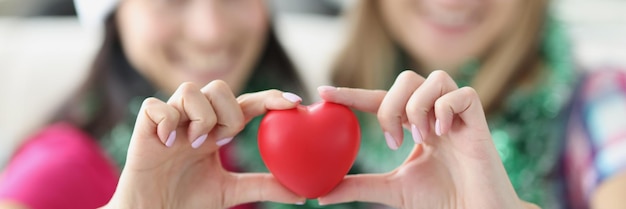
(93, 13)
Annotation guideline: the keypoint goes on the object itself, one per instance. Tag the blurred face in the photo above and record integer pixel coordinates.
(442, 34)
(173, 41)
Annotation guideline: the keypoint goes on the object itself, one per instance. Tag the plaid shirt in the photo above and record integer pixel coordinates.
(596, 138)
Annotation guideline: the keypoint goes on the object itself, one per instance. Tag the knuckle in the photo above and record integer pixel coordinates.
(157, 108)
(469, 91)
(441, 78)
(239, 123)
(411, 110)
(217, 85)
(442, 105)
(188, 87)
(235, 124)
(408, 75)
(239, 126)
(389, 117)
(439, 74)
(151, 102)
(210, 120)
(414, 113)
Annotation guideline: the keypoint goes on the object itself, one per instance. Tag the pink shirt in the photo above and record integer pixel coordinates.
(59, 167)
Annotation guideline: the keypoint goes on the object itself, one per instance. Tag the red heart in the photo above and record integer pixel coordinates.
(309, 149)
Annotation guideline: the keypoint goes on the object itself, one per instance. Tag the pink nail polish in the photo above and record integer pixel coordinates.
(224, 141)
(326, 88)
(437, 127)
(199, 141)
(291, 97)
(390, 141)
(417, 136)
(170, 139)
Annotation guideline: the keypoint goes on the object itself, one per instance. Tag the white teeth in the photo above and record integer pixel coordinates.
(449, 19)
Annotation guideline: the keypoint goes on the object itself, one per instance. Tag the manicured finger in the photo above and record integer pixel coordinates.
(196, 111)
(463, 102)
(420, 106)
(258, 103)
(392, 111)
(375, 188)
(359, 99)
(256, 187)
(156, 117)
(230, 120)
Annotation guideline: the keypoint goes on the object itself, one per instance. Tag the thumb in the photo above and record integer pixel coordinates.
(360, 99)
(257, 187)
(374, 188)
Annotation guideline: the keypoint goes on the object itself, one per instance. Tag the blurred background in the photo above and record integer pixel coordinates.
(44, 51)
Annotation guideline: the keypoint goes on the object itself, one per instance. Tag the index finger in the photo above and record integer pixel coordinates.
(359, 99)
(258, 103)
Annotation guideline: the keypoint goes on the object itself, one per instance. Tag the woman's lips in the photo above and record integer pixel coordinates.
(449, 22)
(205, 68)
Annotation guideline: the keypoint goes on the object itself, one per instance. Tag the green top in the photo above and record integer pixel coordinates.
(527, 132)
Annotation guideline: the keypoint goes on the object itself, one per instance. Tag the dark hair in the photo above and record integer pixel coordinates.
(113, 82)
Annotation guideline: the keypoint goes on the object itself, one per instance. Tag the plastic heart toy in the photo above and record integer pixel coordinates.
(309, 149)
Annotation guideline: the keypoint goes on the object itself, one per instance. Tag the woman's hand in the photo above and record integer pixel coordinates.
(454, 163)
(173, 159)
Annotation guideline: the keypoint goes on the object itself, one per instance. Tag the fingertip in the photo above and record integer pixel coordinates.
(321, 202)
(326, 92)
(326, 89)
(169, 142)
(199, 141)
(391, 142)
(327, 199)
(291, 97)
(438, 127)
(223, 141)
(417, 135)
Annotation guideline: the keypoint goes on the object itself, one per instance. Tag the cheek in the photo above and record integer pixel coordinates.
(251, 22)
(144, 37)
(251, 26)
(396, 18)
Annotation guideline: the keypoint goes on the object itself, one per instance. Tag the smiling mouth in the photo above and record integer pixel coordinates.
(449, 22)
(205, 68)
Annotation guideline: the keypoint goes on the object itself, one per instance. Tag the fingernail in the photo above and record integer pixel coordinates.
(320, 203)
(437, 127)
(291, 97)
(196, 143)
(390, 141)
(326, 88)
(223, 141)
(170, 139)
(417, 136)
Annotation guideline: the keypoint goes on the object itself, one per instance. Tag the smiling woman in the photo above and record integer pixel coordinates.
(515, 57)
(207, 51)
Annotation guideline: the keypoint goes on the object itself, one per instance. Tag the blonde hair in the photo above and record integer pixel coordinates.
(368, 59)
